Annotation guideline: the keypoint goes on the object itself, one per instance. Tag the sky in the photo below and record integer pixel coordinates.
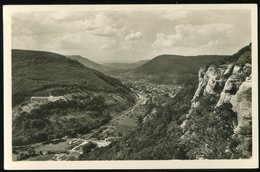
(108, 36)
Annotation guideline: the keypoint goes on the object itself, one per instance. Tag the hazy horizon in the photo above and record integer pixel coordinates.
(129, 36)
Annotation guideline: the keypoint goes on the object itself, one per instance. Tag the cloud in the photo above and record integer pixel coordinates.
(66, 31)
(195, 35)
(104, 46)
(51, 23)
(175, 15)
(213, 43)
(109, 31)
(106, 26)
(164, 40)
(110, 34)
(57, 15)
(134, 36)
(107, 43)
(45, 25)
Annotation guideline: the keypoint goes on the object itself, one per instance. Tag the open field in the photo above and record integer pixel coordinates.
(53, 147)
(46, 157)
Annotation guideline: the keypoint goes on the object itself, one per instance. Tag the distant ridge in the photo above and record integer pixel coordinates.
(88, 63)
(175, 68)
(177, 64)
(126, 65)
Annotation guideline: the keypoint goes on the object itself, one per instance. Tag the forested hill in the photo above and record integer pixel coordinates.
(88, 63)
(35, 71)
(175, 69)
(177, 64)
(54, 96)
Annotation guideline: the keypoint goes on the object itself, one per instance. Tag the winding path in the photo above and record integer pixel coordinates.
(131, 109)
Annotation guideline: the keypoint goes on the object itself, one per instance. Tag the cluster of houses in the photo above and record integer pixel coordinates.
(143, 85)
(75, 142)
(36, 101)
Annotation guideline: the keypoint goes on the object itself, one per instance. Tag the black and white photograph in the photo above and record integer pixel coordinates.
(118, 84)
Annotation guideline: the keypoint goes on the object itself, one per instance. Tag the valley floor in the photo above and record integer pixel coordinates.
(70, 148)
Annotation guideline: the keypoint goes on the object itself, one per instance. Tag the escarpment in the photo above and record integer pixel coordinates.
(242, 104)
(224, 91)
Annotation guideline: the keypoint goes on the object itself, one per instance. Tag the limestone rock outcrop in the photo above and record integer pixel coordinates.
(229, 84)
(242, 105)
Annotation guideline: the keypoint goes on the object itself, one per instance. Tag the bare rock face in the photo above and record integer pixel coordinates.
(201, 86)
(229, 70)
(227, 88)
(242, 104)
(215, 81)
(211, 81)
(230, 84)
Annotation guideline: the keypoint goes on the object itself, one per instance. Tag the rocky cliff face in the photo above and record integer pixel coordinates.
(242, 104)
(230, 87)
(227, 84)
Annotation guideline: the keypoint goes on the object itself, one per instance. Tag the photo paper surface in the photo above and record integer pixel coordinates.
(130, 86)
